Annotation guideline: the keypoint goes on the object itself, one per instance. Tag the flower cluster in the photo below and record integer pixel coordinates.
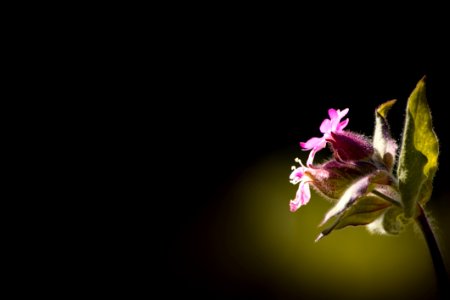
(358, 177)
(361, 181)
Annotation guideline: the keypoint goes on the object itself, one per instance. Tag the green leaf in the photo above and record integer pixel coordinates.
(384, 108)
(359, 188)
(356, 206)
(418, 160)
(394, 221)
(384, 145)
(364, 211)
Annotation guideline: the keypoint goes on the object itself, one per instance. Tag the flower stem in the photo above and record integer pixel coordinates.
(439, 266)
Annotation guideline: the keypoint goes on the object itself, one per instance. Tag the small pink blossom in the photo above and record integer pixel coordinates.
(328, 126)
(303, 193)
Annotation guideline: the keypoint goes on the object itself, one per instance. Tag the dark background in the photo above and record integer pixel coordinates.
(236, 95)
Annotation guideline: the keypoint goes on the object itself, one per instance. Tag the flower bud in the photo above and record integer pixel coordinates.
(349, 146)
(332, 178)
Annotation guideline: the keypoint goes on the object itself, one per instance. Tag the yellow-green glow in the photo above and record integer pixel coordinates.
(256, 231)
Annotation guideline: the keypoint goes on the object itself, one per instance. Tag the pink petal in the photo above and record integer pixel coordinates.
(342, 113)
(294, 205)
(317, 148)
(306, 195)
(337, 118)
(311, 143)
(309, 162)
(325, 126)
(332, 113)
(296, 175)
(342, 125)
(301, 198)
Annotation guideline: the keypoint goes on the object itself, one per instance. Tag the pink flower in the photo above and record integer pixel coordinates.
(328, 126)
(303, 193)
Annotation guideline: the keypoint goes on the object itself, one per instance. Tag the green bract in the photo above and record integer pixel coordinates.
(419, 152)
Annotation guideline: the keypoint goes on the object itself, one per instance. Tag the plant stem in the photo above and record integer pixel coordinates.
(389, 199)
(439, 266)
